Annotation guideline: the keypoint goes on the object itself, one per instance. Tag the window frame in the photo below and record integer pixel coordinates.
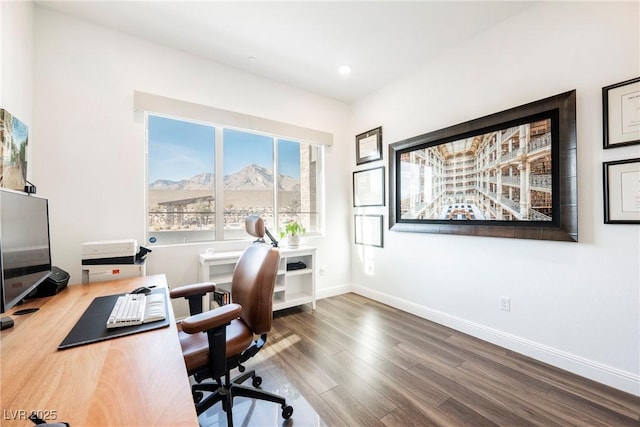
(218, 188)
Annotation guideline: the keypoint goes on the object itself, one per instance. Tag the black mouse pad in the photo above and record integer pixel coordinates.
(92, 326)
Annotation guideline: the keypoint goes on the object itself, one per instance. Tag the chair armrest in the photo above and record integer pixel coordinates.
(211, 319)
(191, 290)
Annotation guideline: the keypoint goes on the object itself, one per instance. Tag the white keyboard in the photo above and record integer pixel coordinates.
(136, 309)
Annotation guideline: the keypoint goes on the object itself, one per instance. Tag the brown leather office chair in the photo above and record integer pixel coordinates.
(217, 341)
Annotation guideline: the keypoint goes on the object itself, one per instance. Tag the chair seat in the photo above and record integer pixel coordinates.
(195, 347)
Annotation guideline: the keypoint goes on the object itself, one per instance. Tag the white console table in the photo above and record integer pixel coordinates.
(293, 287)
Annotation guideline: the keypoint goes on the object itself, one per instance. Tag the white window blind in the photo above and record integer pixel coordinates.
(143, 101)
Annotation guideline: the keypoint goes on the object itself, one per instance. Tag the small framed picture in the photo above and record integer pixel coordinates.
(369, 146)
(368, 230)
(622, 191)
(368, 187)
(621, 113)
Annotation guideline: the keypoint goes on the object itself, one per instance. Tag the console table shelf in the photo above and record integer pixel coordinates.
(292, 288)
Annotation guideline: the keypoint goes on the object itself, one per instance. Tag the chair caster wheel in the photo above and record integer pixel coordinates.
(256, 381)
(197, 397)
(287, 411)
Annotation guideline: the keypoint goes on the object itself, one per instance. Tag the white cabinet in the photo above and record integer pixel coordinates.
(293, 286)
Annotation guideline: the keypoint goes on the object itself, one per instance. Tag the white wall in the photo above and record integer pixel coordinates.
(575, 305)
(16, 79)
(91, 147)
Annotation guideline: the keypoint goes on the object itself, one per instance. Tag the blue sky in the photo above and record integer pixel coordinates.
(180, 150)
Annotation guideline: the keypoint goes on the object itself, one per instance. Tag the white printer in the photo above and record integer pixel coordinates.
(112, 259)
(109, 252)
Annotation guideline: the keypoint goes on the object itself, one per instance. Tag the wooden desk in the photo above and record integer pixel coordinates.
(137, 380)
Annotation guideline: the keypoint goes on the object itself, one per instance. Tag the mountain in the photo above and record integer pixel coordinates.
(252, 177)
(204, 181)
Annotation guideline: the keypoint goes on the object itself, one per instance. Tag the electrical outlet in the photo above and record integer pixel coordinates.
(505, 303)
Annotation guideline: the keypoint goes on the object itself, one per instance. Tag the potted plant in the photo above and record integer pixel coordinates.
(292, 231)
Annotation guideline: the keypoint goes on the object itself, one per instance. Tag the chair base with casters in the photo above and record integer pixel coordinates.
(225, 391)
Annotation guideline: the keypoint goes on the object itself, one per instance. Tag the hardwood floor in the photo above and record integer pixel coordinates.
(356, 362)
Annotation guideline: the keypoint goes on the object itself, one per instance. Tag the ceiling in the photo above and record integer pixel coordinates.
(302, 43)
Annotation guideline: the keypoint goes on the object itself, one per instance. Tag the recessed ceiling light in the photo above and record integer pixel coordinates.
(344, 70)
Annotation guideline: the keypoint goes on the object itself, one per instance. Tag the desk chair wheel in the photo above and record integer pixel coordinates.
(256, 381)
(287, 411)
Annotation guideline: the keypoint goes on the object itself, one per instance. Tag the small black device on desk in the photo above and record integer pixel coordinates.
(141, 290)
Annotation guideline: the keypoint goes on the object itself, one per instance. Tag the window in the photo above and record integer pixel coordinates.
(190, 201)
(248, 180)
(180, 172)
(298, 195)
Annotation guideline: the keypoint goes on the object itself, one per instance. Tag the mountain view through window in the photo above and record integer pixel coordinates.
(182, 175)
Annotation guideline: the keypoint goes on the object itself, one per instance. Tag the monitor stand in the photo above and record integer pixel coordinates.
(6, 323)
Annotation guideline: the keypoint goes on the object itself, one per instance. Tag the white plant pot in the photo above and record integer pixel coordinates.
(293, 241)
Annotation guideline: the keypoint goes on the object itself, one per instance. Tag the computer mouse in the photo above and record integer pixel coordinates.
(141, 290)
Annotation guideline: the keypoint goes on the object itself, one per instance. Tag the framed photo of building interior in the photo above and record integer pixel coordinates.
(368, 187)
(510, 174)
(621, 180)
(369, 146)
(621, 113)
(368, 230)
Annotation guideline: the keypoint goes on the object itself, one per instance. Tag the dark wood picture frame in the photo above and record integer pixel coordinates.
(563, 226)
(369, 146)
(373, 223)
(621, 114)
(621, 179)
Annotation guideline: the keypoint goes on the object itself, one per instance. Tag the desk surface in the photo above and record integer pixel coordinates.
(137, 380)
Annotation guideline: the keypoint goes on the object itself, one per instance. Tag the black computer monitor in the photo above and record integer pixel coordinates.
(25, 253)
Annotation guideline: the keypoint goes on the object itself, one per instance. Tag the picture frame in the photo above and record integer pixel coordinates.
(14, 139)
(368, 187)
(621, 114)
(369, 146)
(621, 183)
(502, 158)
(368, 230)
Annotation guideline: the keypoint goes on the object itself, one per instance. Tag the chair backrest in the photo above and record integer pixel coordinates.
(254, 279)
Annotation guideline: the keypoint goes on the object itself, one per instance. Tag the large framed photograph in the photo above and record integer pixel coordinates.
(621, 113)
(368, 187)
(511, 174)
(369, 146)
(622, 191)
(368, 230)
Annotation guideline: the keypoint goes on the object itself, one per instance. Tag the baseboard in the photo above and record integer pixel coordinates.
(595, 371)
(333, 291)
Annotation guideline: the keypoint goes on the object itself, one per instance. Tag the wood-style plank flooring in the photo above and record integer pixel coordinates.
(356, 362)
